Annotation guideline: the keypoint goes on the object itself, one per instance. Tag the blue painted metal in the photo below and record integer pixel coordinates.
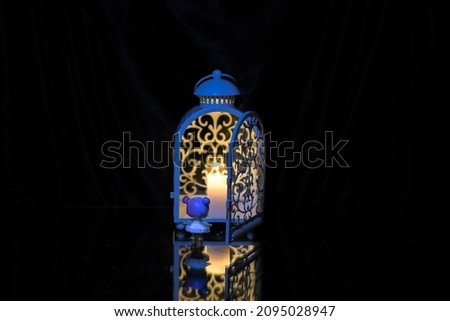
(216, 85)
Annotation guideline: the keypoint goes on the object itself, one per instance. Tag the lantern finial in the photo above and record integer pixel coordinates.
(217, 74)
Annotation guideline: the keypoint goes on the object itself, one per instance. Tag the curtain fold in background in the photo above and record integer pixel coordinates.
(77, 75)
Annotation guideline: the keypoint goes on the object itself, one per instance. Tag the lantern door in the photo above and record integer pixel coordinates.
(246, 162)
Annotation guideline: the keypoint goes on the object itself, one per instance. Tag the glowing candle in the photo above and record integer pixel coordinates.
(216, 188)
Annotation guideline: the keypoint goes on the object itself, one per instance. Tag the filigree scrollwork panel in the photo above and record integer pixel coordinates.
(204, 144)
(247, 180)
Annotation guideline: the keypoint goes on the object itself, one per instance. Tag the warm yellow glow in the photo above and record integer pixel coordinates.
(216, 188)
(219, 258)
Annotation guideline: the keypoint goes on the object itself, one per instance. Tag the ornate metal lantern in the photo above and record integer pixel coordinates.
(219, 154)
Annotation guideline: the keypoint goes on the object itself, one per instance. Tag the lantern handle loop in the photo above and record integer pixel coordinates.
(217, 74)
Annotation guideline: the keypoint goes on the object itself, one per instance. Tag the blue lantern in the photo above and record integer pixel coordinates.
(219, 154)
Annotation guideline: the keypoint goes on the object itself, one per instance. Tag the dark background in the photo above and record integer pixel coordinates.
(77, 74)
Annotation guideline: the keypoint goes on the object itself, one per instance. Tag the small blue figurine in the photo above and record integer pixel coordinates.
(197, 208)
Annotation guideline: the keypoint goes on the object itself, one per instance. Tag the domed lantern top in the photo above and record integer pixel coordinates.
(216, 88)
(219, 154)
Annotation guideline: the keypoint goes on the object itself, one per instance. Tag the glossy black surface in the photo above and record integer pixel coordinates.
(126, 254)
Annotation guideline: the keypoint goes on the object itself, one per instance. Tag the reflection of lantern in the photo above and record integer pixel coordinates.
(219, 153)
(216, 271)
(219, 258)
